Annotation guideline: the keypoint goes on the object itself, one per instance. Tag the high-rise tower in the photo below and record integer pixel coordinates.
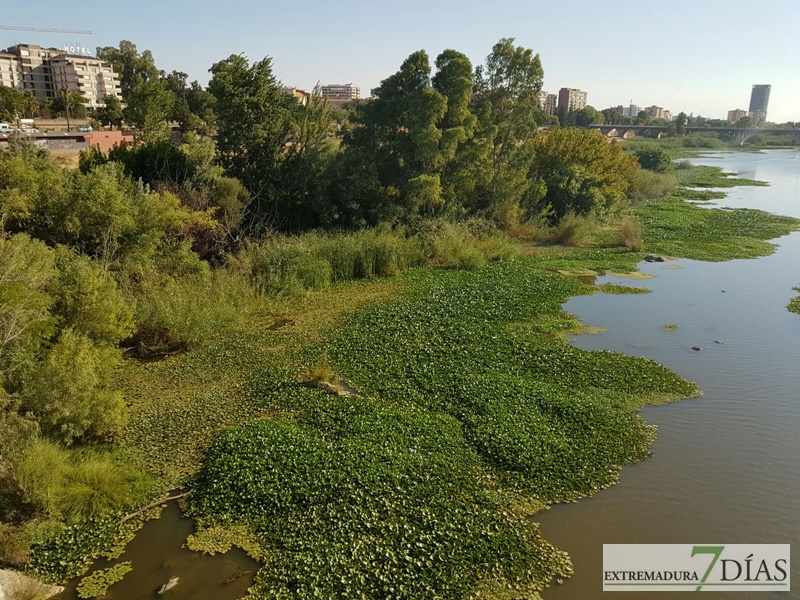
(759, 100)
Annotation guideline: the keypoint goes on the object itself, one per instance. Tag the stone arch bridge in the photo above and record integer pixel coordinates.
(736, 135)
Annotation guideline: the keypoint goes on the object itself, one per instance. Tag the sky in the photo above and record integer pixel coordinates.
(697, 56)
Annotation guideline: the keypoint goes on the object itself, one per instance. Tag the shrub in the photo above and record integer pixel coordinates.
(646, 185)
(78, 484)
(630, 233)
(89, 301)
(653, 159)
(575, 230)
(70, 391)
(175, 314)
(581, 172)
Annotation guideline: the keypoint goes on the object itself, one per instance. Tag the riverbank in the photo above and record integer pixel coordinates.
(469, 364)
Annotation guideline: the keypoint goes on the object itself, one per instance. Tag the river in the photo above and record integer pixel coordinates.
(726, 467)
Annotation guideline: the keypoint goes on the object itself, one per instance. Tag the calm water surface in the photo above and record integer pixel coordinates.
(726, 467)
(156, 555)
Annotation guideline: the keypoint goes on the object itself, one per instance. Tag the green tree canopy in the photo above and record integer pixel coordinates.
(581, 172)
(255, 122)
(111, 112)
(71, 394)
(133, 68)
(150, 107)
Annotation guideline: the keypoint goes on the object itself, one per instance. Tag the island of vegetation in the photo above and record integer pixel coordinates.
(341, 331)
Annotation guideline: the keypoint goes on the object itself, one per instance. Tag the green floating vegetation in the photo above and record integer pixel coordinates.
(71, 550)
(704, 176)
(794, 303)
(669, 326)
(477, 415)
(677, 228)
(220, 539)
(700, 195)
(97, 583)
(615, 288)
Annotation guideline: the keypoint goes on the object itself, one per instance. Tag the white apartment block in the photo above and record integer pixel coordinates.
(337, 92)
(45, 71)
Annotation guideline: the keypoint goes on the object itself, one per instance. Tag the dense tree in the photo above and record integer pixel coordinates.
(507, 99)
(71, 394)
(111, 112)
(255, 122)
(193, 105)
(150, 108)
(588, 116)
(581, 172)
(27, 273)
(12, 103)
(680, 123)
(133, 68)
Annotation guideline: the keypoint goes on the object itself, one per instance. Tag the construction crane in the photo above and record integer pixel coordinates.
(46, 29)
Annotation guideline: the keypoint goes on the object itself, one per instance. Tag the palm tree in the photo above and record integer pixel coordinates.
(70, 100)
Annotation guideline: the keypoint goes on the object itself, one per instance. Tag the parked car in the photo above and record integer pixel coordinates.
(29, 130)
(5, 129)
(85, 128)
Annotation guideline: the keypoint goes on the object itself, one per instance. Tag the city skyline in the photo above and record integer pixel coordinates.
(697, 59)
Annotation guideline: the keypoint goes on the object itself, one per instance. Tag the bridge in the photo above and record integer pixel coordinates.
(737, 135)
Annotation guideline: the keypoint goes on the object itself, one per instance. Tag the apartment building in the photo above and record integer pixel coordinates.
(45, 71)
(90, 77)
(548, 102)
(570, 99)
(301, 96)
(735, 115)
(337, 92)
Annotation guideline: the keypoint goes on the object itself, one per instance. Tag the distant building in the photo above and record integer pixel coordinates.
(548, 102)
(654, 112)
(759, 101)
(302, 96)
(570, 99)
(620, 110)
(735, 115)
(668, 115)
(340, 93)
(45, 71)
(631, 111)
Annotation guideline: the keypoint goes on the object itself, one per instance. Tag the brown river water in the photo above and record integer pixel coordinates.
(725, 468)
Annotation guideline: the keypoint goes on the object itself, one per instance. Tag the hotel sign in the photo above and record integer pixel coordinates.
(83, 50)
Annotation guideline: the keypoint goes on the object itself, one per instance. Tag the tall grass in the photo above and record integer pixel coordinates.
(575, 230)
(174, 314)
(291, 265)
(647, 185)
(78, 484)
(629, 233)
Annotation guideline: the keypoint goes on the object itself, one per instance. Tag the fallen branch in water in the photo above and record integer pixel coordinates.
(152, 505)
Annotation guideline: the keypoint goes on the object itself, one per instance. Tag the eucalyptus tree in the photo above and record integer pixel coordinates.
(255, 122)
(507, 99)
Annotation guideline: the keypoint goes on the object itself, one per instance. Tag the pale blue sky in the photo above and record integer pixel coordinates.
(700, 56)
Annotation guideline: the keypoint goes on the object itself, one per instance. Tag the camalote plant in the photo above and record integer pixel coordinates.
(423, 489)
(97, 583)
